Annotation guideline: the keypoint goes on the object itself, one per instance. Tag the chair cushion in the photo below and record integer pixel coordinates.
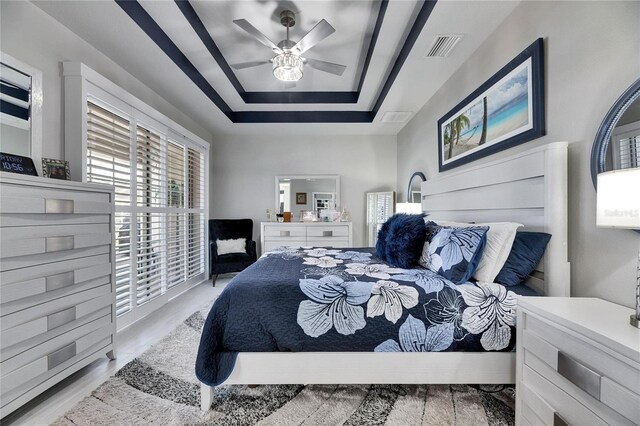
(235, 245)
(234, 257)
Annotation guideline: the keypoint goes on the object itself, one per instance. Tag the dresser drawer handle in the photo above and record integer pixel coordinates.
(581, 376)
(59, 243)
(61, 318)
(285, 233)
(558, 421)
(58, 281)
(63, 354)
(52, 205)
(327, 233)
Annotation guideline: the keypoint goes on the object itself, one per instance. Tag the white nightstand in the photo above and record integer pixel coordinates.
(578, 363)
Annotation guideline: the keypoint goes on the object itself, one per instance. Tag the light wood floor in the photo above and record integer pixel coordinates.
(131, 342)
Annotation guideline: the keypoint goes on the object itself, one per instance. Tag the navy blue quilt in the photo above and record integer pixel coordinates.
(348, 300)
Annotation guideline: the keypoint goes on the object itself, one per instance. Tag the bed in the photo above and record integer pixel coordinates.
(318, 339)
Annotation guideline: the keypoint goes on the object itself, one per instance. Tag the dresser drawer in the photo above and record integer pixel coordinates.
(601, 379)
(48, 359)
(49, 323)
(284, 231)
(328, 242)
(32, 286)
(24, 219)
(313, 232)
(23, 241)
(546, 404)
(55, 306)
(293, 242)
(29, 199)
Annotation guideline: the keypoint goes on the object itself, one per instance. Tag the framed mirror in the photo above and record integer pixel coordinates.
(20, 109)
(316, 193)
(617, 143)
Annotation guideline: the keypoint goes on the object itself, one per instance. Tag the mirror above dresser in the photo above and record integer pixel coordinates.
(307, 193)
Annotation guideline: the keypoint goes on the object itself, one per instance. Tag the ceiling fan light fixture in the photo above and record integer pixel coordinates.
(287, 67)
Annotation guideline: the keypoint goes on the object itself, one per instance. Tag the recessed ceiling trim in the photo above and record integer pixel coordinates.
(142, 18)
(280, 97)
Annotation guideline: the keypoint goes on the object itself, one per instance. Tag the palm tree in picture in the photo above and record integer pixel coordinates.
(483, 137)
(457, 126)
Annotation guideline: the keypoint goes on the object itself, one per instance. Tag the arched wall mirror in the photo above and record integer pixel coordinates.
(21, 112)
(617, 143)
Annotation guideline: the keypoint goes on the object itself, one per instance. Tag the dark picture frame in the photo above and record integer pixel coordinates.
(55, 169)
(505, 111)
(301, 198)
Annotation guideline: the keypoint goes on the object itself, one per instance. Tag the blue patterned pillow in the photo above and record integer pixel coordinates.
(454, 253)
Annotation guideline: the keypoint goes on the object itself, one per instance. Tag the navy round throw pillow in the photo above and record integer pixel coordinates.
(404, 240)
(381, 244)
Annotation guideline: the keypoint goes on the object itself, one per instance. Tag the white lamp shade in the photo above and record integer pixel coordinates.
(618, 199)
(409, 208)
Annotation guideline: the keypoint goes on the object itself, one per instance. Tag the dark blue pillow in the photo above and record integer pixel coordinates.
(526, 251)
(404, 239)
(454, 253)
(381, 244)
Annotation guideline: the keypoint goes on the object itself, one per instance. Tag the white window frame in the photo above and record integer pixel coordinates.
(83, 84)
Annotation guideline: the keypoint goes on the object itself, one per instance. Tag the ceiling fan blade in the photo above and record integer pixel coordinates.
(253, 31)
(251, 64)
(329, 67)
(318, 33)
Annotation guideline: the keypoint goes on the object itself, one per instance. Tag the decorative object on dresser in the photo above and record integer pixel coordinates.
(55, 169)
(618, 206)
(575, 363)
(410, 205)
(57, 283)
(225, 230)
(307, 234)
(506, 110)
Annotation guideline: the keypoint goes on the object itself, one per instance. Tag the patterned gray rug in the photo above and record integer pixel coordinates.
(160, 388)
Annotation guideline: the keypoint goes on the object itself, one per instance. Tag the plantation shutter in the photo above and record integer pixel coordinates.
(630, 152)
(176, 219)
(196, 203)
(108, 162)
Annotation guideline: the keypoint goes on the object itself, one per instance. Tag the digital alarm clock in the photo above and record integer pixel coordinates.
(17, 164)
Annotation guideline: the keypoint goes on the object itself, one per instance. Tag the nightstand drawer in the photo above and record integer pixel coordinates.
(556, 407)
(569, 361)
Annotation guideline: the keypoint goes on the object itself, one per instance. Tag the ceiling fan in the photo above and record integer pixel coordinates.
(288, 63)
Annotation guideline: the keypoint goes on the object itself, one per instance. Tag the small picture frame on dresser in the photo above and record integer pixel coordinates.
(301, 198)
(55, 169)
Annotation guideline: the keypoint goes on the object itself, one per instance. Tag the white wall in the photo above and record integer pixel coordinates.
(31, 36)
(243, 169)
(591, 54)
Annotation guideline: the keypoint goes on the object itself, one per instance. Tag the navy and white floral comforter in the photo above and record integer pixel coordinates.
(348, 300)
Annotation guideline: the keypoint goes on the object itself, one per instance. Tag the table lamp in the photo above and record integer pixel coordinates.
(618, 206)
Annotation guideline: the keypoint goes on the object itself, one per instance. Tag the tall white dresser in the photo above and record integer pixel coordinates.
(57, 292)
(308, 234)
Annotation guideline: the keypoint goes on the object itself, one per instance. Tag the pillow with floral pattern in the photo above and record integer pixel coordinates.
(454, 253)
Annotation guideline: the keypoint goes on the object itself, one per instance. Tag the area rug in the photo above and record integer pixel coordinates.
(160, 388)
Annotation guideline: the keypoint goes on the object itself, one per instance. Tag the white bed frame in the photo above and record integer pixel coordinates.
(528, 188)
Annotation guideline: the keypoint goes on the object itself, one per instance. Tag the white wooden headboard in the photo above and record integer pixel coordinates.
(529, 188)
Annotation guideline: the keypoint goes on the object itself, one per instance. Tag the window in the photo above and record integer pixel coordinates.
(159, 183)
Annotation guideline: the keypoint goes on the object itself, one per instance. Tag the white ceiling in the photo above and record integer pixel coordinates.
(108, 28)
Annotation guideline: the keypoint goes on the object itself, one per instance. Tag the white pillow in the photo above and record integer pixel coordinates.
(239, 245)
(500, 238)
(424, 260)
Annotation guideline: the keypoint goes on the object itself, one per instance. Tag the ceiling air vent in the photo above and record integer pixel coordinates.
(443, 45)
(395, 116)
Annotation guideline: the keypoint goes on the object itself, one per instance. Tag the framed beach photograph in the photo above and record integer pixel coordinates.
(507, 110)
(301, 198)
(55, 169)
